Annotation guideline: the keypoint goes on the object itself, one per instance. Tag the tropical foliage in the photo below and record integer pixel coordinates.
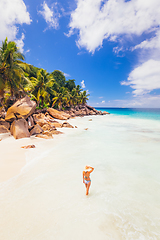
(18, 79)
(40, 87)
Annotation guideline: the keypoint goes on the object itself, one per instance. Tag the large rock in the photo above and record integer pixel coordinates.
(48, 133)
(77, 108)
(90, 108)
(3, 129)
(45, 136)
(54, 131)
(77, 113)
(39, 116)
(23, 108)
(4, 123)
(30, 122)
(44, 110)
(48, 127)
(72, 115)
(56, 124)
(36, 130)
(58, 114)
(92, 112)
(19, 129)
(40, 119)
(87, 111)
(82, 110)
(104, 113)
(29, 146)
(2, 113)
(67, 125)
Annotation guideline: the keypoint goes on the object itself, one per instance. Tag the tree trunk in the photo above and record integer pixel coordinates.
(2, 93)
(60, 106)
(42, 101)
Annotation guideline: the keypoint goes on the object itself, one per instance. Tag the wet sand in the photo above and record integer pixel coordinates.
(12, 156)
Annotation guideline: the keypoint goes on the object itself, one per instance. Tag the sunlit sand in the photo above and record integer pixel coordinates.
(46, 199)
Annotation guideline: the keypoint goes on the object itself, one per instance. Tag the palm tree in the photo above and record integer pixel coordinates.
(41, 87)
(70, 84)
(73, 98)
(84, 97)
(11, 71)
(78, 89)
(61, 98)
(59, 77)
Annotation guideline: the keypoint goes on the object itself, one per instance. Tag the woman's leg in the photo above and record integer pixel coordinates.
(87, 188)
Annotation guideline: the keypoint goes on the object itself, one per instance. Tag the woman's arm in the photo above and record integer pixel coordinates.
(91, 168)
(83, 176)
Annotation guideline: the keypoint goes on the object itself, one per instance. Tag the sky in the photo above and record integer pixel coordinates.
(110, 47)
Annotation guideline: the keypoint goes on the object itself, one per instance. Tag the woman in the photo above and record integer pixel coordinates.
(86, 177)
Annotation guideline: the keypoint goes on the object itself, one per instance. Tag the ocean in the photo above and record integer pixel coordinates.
(142, 113)
(47, 199)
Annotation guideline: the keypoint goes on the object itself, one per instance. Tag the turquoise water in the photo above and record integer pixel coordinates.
(143, 113)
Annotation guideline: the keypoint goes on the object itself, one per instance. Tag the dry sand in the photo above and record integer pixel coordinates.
(12, 156)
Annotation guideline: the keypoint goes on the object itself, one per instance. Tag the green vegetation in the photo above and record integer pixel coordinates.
(18, 79)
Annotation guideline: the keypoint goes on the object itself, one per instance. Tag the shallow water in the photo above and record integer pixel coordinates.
(140, 113)
(47, 199)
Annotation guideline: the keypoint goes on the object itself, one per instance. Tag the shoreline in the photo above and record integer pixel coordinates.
(40, 123)
(13, 157)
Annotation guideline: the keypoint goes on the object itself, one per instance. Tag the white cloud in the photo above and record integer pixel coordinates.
(27, 51)
(13, 13)
(153, 43)
(141, 101)
(121, 21)
(66, 75)
(83, 84)
(144, 101)
(20, 42)
(144, 78)
(50, 15)
(150, 101)
(117, 49)
(103, 101)
(96, 22)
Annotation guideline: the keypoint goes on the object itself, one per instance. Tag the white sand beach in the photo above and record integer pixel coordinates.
(12, 158)
(45, 198)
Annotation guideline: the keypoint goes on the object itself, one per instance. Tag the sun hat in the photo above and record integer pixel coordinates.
(86, 168)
